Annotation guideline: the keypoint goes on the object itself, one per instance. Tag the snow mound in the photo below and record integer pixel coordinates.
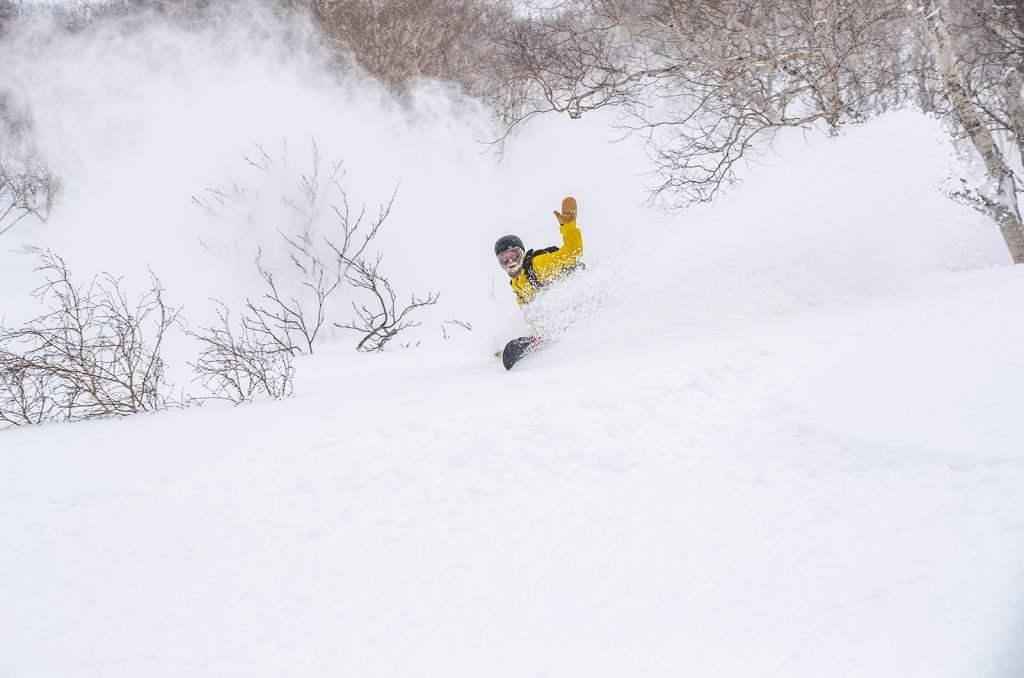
(827, 222)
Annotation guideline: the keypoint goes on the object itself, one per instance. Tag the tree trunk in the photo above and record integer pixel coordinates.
(1015, 106)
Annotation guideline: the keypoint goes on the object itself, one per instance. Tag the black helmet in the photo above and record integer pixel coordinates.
(506, 243)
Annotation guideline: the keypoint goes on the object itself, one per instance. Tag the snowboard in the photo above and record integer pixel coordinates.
(517, 349)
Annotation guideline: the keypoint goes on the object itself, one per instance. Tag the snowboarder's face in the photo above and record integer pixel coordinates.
(511, 261)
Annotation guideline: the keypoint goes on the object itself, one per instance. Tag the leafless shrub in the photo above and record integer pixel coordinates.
(93, 354)
(292, 322)
(238, 363)
(325, 246)
(454, 323)
(27, 192)
(382, 318)
(28, 186)
(9, 10)
(294, 319)
(293, 309)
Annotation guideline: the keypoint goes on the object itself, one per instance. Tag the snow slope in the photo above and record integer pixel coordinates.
(820, 499)
(779, 436)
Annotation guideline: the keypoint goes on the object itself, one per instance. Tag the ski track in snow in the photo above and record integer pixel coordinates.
(792, 499)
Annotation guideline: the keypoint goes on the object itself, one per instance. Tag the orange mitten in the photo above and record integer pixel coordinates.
(568, 212)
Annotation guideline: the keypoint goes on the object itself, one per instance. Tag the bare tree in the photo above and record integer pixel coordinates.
(238, 363)
(399, 41)
(382, 318)
(93, 354)
(395, 41)
(79, 14)
(978, 50)
(706, 82)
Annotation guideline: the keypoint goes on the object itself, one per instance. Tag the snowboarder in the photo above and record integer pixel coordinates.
(531, 271)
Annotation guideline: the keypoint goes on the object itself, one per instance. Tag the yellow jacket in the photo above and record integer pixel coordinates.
(543, 267)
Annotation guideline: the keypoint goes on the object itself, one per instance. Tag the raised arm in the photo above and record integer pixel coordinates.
(572, 243)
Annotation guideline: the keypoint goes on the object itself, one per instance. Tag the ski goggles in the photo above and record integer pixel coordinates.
(508, 257)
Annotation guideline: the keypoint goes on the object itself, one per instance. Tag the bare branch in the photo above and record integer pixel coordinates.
(382, 318)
